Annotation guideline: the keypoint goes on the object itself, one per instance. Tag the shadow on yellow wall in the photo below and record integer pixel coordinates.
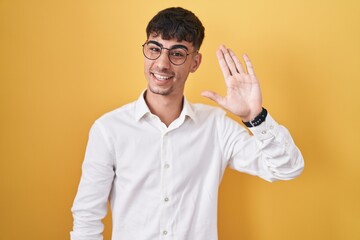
(64, 63)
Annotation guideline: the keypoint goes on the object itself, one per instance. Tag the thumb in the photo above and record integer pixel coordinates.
(213, 96)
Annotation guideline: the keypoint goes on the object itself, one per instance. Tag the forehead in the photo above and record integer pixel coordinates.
(169, 43)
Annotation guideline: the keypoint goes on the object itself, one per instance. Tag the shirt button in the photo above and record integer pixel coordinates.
(263, 132)
(166, 166)
(166, 199)
(271, 126)
(165, 232)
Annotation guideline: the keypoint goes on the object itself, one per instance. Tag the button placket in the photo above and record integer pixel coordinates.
(165, 184)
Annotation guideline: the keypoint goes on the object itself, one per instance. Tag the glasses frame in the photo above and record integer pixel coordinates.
(169, 49)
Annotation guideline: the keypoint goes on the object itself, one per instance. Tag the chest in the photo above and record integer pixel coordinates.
(148, 156)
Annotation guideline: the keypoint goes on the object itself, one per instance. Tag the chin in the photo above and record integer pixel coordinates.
(159, 91)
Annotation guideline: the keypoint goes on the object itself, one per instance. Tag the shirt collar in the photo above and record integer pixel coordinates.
(188, 110)
(141, 108)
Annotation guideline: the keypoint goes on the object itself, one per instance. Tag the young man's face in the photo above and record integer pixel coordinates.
(164, 77)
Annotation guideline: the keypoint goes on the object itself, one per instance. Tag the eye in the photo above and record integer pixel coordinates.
(154, 49)
(177, 53)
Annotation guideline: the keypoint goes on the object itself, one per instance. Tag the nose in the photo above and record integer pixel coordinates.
(163, 61)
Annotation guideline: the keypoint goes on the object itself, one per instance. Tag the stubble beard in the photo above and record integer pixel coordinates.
(163, 92)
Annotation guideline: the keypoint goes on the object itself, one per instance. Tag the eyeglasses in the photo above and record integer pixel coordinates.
(177, 54)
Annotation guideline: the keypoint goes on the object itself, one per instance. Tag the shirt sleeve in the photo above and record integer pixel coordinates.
(270, 153)
(90, 204)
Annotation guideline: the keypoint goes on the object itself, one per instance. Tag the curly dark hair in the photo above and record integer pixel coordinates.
(177, 23)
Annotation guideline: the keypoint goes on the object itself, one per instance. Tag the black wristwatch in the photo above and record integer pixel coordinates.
(258, 120)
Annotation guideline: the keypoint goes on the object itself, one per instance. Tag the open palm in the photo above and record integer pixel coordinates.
(243, 97)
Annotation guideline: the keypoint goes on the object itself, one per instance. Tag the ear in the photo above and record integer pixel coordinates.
(196, 62)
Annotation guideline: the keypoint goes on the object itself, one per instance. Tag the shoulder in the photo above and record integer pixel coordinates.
(123, 113)
(201, 109)
(206, 114)
(216, 119)
(215, 114)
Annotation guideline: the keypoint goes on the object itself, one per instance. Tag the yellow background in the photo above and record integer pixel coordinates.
(65, 63)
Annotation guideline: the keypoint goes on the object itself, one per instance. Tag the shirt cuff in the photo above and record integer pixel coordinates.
(266, 130)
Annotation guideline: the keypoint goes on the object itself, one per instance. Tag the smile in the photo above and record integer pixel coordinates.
(161, 77)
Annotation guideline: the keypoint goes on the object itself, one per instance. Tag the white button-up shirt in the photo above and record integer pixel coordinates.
(162, 181)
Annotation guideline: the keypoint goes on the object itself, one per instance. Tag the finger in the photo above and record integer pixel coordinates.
(229, 60)
(249, 65)
(213, 96)
(223, 65)
(238, 64)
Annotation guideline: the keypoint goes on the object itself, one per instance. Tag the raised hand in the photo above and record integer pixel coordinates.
(243, 97)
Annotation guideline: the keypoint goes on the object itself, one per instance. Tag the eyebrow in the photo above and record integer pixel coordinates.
(172, 47)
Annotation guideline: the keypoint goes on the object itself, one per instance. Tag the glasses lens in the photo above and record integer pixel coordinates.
(151, 51)
(177, 56)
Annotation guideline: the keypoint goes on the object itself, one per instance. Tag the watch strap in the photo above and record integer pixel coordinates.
(257, 120)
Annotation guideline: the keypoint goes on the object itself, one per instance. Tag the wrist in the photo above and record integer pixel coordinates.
(256, 121)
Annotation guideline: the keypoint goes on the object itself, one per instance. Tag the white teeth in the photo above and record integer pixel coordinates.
(160, 77)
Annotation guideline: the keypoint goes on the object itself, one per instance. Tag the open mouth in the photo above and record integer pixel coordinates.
(161, 77)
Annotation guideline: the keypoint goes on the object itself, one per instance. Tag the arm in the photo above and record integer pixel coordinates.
(90, 204)
(271, 154)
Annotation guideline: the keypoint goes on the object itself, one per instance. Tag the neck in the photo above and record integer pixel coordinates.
(167, 108)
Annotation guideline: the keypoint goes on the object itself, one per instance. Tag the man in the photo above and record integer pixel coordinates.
(160, 159)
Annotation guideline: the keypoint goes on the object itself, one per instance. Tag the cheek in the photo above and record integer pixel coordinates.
(146, 67)
(145, 63)
(182, 75)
